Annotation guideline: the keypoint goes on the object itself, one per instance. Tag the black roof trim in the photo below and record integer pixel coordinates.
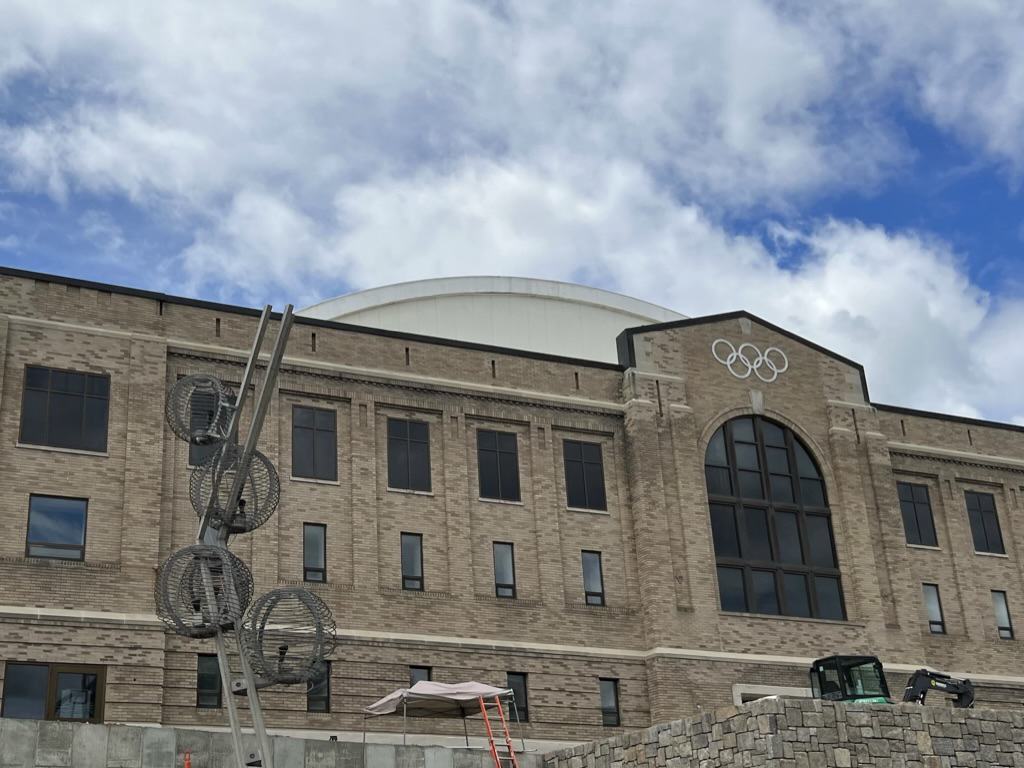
(627, 350)
(949, 417)
(234, 309)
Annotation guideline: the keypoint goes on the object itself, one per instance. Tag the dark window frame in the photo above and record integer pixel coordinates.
(936, 626)
(404, 444)
(611, 716)
(410, 581)
(508, 487)
(985, 528)
(420, 668)
(71, 548)
(315, 697)
(324, 468)
(796, 584)
(505, 590)
(50, 700)
(1005, 630)
(201, 692)
(580, 497)
(308, 570)
(593, 597)
(521, 704)
(917, 513)
(48, 438)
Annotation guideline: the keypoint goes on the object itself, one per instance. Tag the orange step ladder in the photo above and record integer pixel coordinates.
(500, 761)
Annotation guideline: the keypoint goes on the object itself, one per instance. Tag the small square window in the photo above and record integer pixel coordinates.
(412, 561)
(593, 578)
(936, 624)
(56, 527)
(516, 681)
(610, 702)
(318, 697)
(208, 688)
(420, 675)
(504, 570)
(314, 552)
(1002, 610)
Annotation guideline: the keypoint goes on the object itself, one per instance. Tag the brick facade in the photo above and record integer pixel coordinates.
(661, 633)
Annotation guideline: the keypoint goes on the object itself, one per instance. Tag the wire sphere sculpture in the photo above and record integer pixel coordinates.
(287, 634)
(202, 589)
(199, 408)
(211, 482)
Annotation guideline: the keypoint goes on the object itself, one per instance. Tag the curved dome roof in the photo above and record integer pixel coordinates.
(515, 312)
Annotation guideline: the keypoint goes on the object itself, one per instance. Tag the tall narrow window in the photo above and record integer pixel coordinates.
(1002, 615)
(516, 681)
(208, 688)
(56, 527)
(504, 569)
(916, 508)
(64, 409)
(770, 523)
(318, 696)
(314, 552)
(408, 455)
(420, 675)
(609, 701)
(584, 475)
(498, 460)
(981, 509)
(314, 443)
(53, 692)
(593, 578)
(412, 561)
(933, 605)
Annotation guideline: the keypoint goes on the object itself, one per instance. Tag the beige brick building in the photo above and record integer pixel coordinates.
(690, 532)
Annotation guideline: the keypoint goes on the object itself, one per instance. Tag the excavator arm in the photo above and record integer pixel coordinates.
(923, 681)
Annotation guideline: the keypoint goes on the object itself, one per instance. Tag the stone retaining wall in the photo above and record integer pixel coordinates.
(802, 733)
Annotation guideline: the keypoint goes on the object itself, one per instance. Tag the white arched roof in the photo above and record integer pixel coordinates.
(515, 312)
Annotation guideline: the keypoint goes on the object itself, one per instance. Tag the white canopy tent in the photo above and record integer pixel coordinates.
(430, 699)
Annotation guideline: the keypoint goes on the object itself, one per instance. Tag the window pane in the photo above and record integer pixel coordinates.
(75, 696)
(419, 431)
(718, 481)
(926, 525)
(33, 418)
(723, 531)
(517, 682)
(782, 488)
(932, 603)
(610, 702)
(318, 697)
(591, 453)
(398, 464)
(398, 428)
(830, 602)
(504, 571)
(731, 590)
(486, 440)
(412, 555)
(716, 450)
(207, 681)
(742, 429)
(778, 460)
(594, 476)
(419, 466)
(766, 598)
(993, 536)
(795, 586)
(25, 689)
(325, 419)
(812, 493)
(787, 530)
(746, 456)
(37, 378)
(303, 417)
(507, 442)
(98, 386)
(1001, 609)
(325, 450)
(758, 542)
(572, 450)
(418, 675)
(67, 416)
(804, 464)
(313, 546)
(54, 520)
(508, 470)
(819, 540)
(977, 530)
(575, 489)
(489, 488)
(910, 526)
(302, 452)
(773, 434)
(592, 578)
(750, 484)
(95, 434)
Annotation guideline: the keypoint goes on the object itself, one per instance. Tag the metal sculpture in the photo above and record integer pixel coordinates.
(199, 409)
(202, 590)
(212, 482)
(287, 634)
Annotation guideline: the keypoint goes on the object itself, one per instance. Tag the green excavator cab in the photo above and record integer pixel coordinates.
(849, 678)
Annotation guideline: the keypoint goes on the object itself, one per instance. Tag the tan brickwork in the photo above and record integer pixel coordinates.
(662, 633)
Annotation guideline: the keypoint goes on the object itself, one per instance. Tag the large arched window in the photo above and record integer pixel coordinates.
(771, 523)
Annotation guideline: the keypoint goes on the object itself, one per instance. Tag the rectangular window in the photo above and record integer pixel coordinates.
(520, 702)
(56, 527)
(318, 697)
(208, 690)
(934, 606)
(1002, 615)
(420, 675)
(504, 569)
(65, 409)
(584, 475)
(593, 579)
(314, 443)
(981, 509)
(498, 460)
(408, 455)
(314, 552)
(412, 561)
(609, 701)
(916, 507)
(53, 692)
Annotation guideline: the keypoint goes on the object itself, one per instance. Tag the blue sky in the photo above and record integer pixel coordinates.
(849, 169)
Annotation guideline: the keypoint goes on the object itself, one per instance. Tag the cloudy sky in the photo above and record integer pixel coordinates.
(848, 169)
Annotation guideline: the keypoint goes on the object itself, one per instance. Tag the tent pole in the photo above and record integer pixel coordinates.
(405, 704)
(519, 722)
(465, 728)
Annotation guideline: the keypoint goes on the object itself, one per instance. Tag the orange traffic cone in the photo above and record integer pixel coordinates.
(188, 760)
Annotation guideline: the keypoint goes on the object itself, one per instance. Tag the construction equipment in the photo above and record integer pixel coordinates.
(507, 760)
(861, 678)
(923, 681)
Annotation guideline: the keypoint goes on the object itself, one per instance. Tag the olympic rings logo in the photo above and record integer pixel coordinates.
(748, 359)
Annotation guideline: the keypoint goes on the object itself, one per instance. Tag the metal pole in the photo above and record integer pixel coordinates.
(465, 728)
(225, 687)
(405, 705)
(515, 709)
(252, 693)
